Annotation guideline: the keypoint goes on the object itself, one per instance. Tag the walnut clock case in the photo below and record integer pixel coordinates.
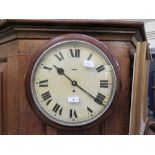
(73, 77)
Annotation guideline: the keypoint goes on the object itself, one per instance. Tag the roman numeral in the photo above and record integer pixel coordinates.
(75, 53)
(90, 110)
(48, 68)
(89, 57)
(43, 83)
(104, 83)
(73, 114)
(99, 98)
(46, 96)
(48, 102)
(100, 68)
(57, 108)
(59, 56)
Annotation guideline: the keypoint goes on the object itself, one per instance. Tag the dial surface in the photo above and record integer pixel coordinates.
(73, 83)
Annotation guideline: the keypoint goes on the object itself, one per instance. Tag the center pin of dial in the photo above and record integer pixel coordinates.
(74, 83)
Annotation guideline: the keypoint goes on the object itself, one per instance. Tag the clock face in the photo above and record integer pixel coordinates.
(73, 83)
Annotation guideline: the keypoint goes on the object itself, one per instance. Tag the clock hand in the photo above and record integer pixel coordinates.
(95, 99)
(85, 91)
(60, 71)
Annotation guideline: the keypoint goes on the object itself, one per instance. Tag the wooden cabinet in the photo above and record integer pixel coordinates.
(20, 39)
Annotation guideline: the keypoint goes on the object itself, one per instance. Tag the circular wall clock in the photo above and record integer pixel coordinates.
(73, 80)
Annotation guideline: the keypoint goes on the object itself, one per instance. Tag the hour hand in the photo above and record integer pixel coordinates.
(60, 71)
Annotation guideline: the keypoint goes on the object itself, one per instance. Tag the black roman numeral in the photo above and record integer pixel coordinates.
(43, 83)
(100, 68)
(89, 57)
(59, 56)
(90, 110)
(104, 83)
(48, 68)
(48, 102)
(73, 114)
(57, 109)
(47, 97)
(75, 53)
(99, 98)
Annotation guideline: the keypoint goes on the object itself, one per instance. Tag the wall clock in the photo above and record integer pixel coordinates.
(73, 81)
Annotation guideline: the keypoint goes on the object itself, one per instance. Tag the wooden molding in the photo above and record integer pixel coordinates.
(138, 113)
(33, 29)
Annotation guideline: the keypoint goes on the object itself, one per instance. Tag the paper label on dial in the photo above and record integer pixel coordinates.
(73, 99)
(88, 63)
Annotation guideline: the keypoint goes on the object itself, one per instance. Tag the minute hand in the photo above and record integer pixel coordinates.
(85, 91)
(95, 99)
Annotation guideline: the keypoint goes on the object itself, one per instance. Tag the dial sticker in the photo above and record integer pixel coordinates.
(73, 99)
(88, 63)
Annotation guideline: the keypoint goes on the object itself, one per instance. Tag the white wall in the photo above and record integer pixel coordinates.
(150, 32)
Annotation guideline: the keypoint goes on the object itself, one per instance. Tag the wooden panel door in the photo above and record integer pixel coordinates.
(3, 63)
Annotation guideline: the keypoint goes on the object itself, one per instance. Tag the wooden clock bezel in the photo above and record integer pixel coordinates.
(62, 38)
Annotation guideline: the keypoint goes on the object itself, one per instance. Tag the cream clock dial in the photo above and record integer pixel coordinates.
(73, 82)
